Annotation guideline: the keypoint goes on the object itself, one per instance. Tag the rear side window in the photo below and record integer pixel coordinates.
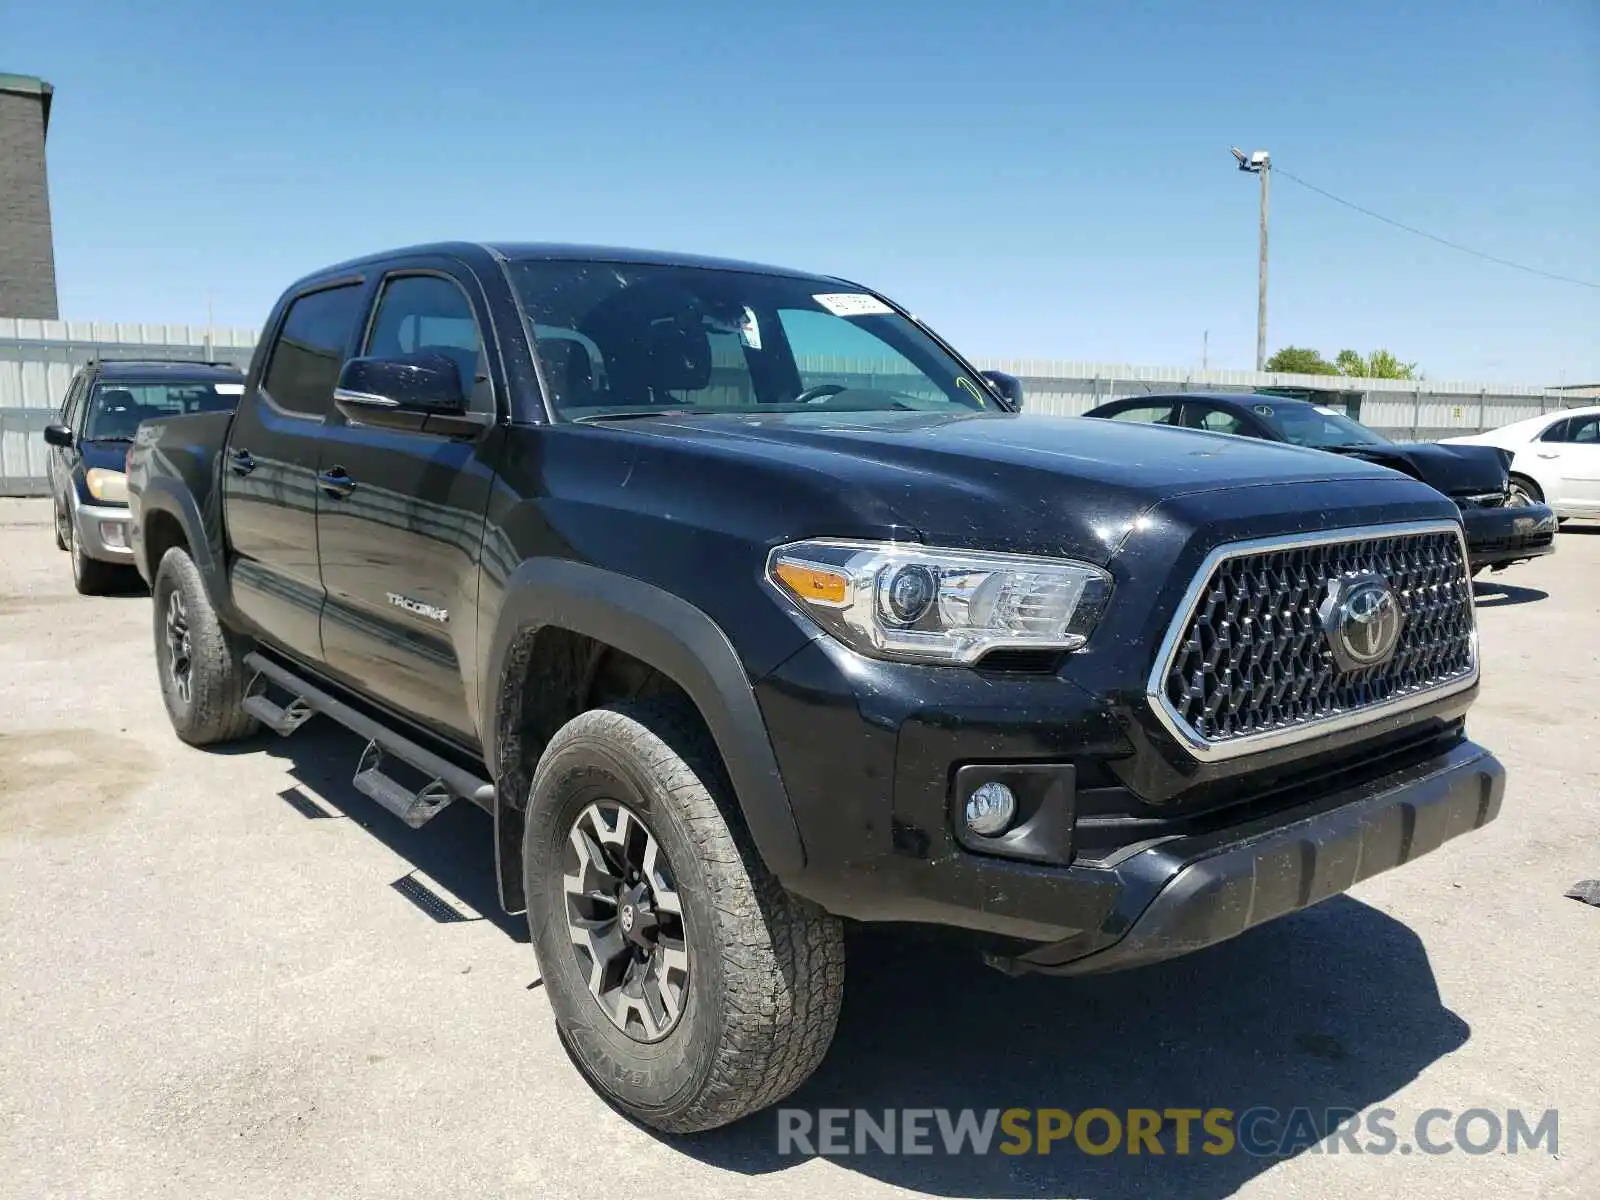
(310, 350)
(1153, 414)
(1585, 430)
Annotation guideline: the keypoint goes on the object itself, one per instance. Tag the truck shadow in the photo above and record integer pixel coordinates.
(1333, 1008)
(1491, 593)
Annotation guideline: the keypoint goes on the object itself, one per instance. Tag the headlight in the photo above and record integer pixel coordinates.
(106, 485)
(919, 604)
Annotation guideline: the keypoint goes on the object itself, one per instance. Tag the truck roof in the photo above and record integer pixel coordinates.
(548, 251)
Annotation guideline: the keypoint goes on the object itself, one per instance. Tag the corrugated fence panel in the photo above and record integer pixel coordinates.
(38, 358)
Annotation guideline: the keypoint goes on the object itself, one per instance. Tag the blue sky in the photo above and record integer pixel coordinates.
(1048, 180)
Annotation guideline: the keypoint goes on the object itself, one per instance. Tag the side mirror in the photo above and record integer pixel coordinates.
(1009, 387)
(417, 383)
(56, 434)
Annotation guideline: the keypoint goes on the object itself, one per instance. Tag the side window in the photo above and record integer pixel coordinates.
(1150, 414)
(1556, 432)
(1585, 430)
(1214, 420)
(429, 314)
(72, 405)
(310, 350)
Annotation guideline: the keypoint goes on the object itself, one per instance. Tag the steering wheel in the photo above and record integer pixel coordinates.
(823, 391)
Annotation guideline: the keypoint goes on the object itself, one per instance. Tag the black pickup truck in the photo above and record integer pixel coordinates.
(745, 605)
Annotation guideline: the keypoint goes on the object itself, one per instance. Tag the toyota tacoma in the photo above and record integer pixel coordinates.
(746, 606)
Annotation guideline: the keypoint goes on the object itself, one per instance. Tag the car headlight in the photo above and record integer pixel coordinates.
(106, 485)
(920, 604)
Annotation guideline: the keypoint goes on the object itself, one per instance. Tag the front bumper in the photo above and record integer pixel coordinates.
(103, 532)
(871, 755)
(1498, 536)
(1189, 893)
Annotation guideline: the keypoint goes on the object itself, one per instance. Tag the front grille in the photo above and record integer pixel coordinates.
(1251, 662)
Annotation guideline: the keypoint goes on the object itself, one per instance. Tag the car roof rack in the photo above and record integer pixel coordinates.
(96, 361)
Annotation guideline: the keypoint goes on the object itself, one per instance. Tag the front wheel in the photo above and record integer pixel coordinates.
(1524, 492)
(201, 664)
(90, 576)
(688, 986)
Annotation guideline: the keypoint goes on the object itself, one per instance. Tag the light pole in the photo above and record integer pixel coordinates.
(1259, 163)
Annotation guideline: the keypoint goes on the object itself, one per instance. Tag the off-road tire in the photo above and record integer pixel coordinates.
(766, 974)
(213, 712)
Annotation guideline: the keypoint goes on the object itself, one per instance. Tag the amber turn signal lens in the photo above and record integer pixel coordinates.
(810, 583)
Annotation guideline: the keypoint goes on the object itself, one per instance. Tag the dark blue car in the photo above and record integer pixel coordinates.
(104, 406)
(1502, 525)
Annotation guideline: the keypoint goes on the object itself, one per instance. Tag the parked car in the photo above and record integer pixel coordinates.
(104, 404)
(1503, 525)
(744, 605)
(1557, 459)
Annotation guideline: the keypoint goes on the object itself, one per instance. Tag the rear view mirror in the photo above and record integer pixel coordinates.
(58, 435)
(1009, 387)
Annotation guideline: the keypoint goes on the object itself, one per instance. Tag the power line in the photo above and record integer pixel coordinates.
(1432, 237)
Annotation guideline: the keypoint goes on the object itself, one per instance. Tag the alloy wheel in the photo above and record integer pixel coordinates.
(625, 920)
(180, 660)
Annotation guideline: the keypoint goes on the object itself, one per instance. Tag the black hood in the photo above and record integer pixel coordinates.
(1048, 485)
(1453, 470)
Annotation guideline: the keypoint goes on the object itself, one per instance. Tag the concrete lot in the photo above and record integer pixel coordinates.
(206, 992)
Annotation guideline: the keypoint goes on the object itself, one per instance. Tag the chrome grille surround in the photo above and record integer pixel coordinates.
(1223, 695)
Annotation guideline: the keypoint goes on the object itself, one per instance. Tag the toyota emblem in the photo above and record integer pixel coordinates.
(1362, 620)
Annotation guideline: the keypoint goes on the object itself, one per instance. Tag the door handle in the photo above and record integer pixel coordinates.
(337, 483)
(242, 462)
(1549, 454)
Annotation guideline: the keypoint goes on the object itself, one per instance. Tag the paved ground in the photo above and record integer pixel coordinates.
(205, 992)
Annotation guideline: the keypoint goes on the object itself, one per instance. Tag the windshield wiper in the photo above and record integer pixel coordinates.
(635, 414)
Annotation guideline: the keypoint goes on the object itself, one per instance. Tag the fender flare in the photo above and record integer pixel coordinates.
(173, 497)
(664, 632)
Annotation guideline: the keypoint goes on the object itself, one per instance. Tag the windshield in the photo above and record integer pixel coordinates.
(116, 408)
(618, 339)
(1313, 425)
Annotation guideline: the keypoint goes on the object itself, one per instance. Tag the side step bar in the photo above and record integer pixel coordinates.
(446, 780)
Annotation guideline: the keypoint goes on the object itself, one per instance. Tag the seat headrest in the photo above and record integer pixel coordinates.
(679, 357)
(568, 373)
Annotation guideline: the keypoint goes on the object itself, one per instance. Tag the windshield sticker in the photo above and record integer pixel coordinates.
(971, 388)
(852, 304)
(229, 389)
(750, 329)
(1264, 410)
(1328, 412)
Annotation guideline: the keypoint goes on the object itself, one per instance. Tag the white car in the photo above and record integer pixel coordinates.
(1557, 459)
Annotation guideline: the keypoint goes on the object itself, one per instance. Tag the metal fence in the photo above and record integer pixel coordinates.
(38, 358)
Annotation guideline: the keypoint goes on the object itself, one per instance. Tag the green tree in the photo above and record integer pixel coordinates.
(1380, 364)
(1300, 360)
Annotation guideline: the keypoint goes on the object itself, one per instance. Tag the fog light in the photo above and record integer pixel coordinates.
(990, 809)
(114, 533)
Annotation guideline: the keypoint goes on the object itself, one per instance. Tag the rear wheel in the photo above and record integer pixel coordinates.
(90, 576)
(201, 664)
(688, 986)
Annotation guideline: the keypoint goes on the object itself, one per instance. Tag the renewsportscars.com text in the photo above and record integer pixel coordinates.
(1261, 1132)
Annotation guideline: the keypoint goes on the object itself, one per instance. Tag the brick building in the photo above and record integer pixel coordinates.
(27, 252)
